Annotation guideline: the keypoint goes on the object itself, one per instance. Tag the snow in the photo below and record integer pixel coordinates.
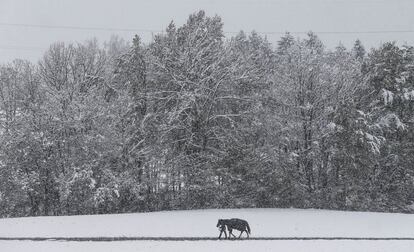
(294, 155)
(264, 223)
(374, 142)
(369, 137)
(408, 95)
(388, 96)
(202, 223)
(208, 246)
(331, 126)
(390, 118)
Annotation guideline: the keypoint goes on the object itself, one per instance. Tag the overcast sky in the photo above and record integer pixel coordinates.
(372, 21)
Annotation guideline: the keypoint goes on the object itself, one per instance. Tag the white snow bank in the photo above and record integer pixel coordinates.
(208, 246)
(202, 223)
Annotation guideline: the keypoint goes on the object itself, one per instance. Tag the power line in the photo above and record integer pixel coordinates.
(61, 27)
(31, 48)
(296, 2)
(85, 28)
(343, 32)
(299, 2)
(26, 48)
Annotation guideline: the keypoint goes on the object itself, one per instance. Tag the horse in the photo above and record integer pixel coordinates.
(222, 228)
(231, 224)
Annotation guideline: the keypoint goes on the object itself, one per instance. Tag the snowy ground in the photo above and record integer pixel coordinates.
(210, 246)
(202, 223)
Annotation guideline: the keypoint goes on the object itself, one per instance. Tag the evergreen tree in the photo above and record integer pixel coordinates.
(358, 50)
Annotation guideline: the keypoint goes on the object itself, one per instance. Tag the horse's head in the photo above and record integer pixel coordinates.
(219, 223)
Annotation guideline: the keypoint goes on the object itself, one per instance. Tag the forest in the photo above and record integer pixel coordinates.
(195, 119)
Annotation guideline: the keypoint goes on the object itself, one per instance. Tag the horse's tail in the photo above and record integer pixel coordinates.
(248, 227)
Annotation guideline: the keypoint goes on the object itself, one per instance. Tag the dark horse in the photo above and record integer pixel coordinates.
(231, 224)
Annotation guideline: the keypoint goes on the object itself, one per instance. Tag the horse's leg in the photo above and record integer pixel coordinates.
(231, 232)
(223, 230)
(241, 232)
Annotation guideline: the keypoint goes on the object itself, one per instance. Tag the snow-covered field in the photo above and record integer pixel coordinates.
(209, 246)
(202, 223)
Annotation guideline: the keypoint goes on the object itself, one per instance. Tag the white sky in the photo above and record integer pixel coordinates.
(261, 15)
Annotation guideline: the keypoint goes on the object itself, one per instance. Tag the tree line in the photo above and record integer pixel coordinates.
(195, 120)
